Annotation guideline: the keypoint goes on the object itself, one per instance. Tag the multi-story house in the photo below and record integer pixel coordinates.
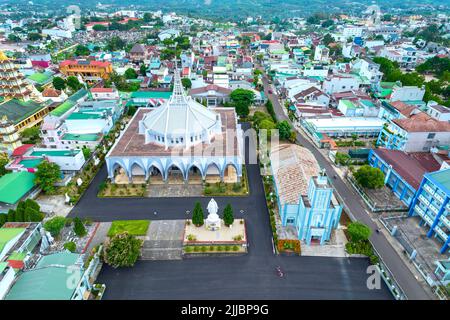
(405, 56)
(432, 205)
(89, 70)
(417, 132)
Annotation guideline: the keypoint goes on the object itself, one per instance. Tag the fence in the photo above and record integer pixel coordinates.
(383, 270)
(419, 262)
(373, 206)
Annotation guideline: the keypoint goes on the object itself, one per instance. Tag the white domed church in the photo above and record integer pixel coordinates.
(181, 138)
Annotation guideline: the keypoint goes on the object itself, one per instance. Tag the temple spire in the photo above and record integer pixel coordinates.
(178, 95)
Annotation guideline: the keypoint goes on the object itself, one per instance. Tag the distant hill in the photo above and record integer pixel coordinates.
(237, 9)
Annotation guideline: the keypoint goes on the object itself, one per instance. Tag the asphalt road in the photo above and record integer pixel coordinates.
(352, 200)
(251, 276)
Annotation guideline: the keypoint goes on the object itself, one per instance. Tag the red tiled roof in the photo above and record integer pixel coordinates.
(403, 108)
(91, 62)
(410, 167)
(20, 151)
(102, 90)
(51, 92)
(16, 264)
(209, 87)
(422, 122)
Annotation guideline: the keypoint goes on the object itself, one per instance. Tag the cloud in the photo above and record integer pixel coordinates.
(208, 2)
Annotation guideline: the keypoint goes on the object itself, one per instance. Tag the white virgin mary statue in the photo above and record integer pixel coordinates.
(213, 219)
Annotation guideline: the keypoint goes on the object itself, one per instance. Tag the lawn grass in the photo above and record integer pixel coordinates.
(133, 227)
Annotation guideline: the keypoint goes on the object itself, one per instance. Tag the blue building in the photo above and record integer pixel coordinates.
(309, 209)
(431, 203)
(403, 172)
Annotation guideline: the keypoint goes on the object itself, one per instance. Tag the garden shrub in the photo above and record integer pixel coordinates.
(71, 246)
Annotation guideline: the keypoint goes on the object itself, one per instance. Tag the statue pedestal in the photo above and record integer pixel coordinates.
(213, 222)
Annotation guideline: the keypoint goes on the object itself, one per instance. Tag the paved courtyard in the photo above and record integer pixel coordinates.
(415, 237)
(251, 276)
(164, 240)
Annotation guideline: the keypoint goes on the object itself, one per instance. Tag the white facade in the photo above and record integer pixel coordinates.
(353, 31)
(335, 84)
(407, 93)
(67, 160)
(57, 33)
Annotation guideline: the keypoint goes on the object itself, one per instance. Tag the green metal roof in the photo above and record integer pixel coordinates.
(62, 108)
(61, 258)
(348, 104)
(441, 177)
(55, 153)
(17, 110)
(13, 186)
(3, 266)
(84, 116)
(7, 234)
(151, 95)
(30, 163)
(49, 280)
(19, 256)
(81, 137)
(41, 77)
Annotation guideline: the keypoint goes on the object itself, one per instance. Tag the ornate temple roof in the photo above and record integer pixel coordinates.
(180, 116)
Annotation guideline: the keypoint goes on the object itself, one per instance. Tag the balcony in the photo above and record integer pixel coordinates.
(428, 220)
(441, 233)
(428, 188)
(445, 221)
(439, 198)
(424, 200)
(419, 211)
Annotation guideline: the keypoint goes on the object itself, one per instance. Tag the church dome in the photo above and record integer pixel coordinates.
(180, 121)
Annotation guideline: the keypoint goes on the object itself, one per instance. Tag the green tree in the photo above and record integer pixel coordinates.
(78, 227)
(81, 50)
(55, 225)
(370, 177)
(3, 162)
(122, 250)
(130, 73)
(13, 38)
(86, 152)
(11, 215)
(20, 212)
(143, 70)
(71, 246)
(99, 27)
(33, 215)
(358, 231)
(197, 215)
(228, 217)
(33, 36)
(73, 83)
(47, 174)
(115, 43)
(30, 135)
(242, 100)
(59, 83)
(284, 129)
(327, 39)
(187, 83)
(3, 219)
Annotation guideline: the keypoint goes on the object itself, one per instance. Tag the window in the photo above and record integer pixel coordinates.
(431, 135)
(290, 220)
